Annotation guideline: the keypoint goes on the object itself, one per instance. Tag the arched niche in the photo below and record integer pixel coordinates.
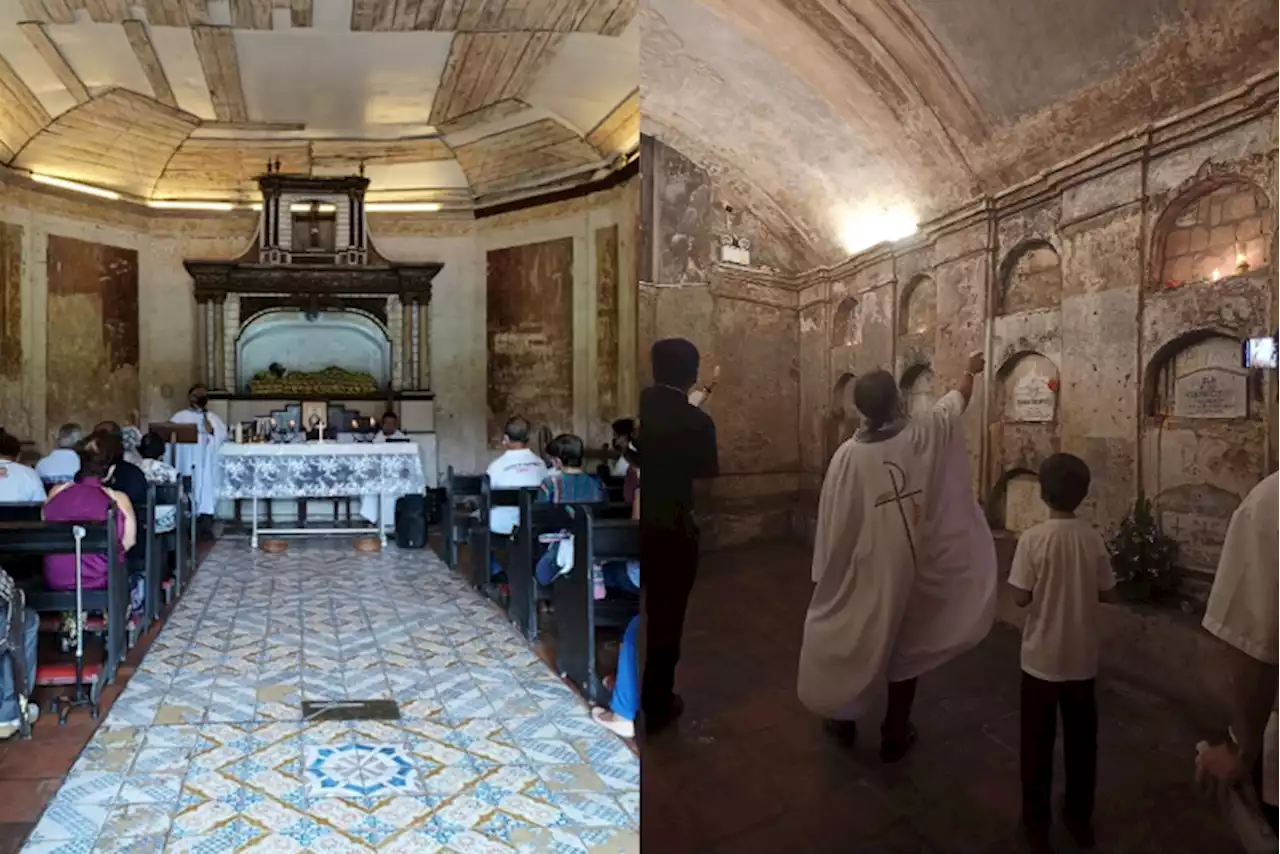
(1214, 229)
(1196, 516)
(842, 323)
(844, 419)
(1028, 389)
(918, 309)
(1014, 503)
(1199, 375)
(918, 393)
(351, 340)
(1031, 278)
(315, 226)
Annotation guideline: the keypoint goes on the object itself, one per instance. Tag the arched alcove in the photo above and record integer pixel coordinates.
(843, 420)
(1030, 278)
(918, 309)
(1199, 375)
(1027, 389)
(1014, 503)
(842, 323)
(351, 340)
(917, 388)
(1214, 229)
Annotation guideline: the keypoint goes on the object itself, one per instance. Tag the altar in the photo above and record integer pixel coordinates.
(318, 470)
(313, 319)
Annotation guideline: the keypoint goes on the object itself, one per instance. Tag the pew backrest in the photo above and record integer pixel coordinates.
(27, 511)
(41, 537)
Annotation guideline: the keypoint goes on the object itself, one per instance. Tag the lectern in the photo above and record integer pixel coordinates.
(175, 435)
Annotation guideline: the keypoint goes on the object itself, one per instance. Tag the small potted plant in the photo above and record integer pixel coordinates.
(1142, 555)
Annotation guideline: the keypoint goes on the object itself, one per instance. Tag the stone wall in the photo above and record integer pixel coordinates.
(1111, 297)
(744, 321)
(29, 217)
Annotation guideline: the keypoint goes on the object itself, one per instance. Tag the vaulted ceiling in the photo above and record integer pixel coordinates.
(460, 101)
(825, 112)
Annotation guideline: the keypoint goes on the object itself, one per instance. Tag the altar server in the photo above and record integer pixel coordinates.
(369, 503)
(903, 560)
(201, 461)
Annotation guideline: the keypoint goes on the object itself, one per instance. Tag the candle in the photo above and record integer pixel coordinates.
(355, 425)
(293, 424)
(372, 423)
(1216, 274)
(239, 433)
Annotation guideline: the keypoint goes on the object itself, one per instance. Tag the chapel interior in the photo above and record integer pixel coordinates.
(464, 210)
(1085, 193)
(319, 212)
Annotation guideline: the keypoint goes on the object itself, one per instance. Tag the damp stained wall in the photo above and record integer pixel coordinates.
(168, 362)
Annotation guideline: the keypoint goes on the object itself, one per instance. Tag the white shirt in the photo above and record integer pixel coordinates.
(514, 469)
(19, 484)
(60, 466)
(1065, 564)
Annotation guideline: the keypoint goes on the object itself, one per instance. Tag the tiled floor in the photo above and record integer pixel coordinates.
(205, 750)
(749, 771)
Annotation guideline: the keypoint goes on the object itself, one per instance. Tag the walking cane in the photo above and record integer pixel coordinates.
(78, 532)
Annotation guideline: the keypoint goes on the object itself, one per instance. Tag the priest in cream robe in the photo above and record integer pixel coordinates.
(904, 562)
(1241, 613)
(369, 503)
(201, 461)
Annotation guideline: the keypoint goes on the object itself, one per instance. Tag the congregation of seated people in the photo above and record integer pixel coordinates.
(81, 480)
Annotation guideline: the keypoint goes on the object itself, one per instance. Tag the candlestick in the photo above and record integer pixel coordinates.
(239, 433)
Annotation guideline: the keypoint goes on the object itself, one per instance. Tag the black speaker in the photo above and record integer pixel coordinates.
(411, 522)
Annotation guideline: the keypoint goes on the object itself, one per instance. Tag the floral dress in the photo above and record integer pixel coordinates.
(162, 474)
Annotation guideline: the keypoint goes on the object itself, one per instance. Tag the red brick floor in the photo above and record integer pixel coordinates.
(749, 771)
(32, 771)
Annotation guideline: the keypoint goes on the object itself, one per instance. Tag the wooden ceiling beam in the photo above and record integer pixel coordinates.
(217, 49)
(607, 17)
(300, 13)
(51, 11)
(22, 115)
(140, 40)
(251, 14)
(618, 132)
(44, 45)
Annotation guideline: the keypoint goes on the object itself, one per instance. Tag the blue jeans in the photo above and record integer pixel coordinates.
(8, 693)
(626, 687)
(618, 576)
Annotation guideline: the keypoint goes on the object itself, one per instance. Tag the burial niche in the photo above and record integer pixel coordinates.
(1199, 375)
(1211, 231)
(843, 419)
(1031, 277)
(1029, 390)
(843, 322)
(917, 389)
(1022, 507)
(919, 308)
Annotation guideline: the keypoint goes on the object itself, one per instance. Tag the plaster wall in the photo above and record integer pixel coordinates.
(167, 322)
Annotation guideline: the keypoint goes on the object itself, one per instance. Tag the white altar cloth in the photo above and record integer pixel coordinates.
(318, 470)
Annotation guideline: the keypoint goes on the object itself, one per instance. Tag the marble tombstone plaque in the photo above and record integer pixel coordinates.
(1033, 400)
(1213, 392)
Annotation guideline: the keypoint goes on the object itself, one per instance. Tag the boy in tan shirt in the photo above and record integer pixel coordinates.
(1062, 570)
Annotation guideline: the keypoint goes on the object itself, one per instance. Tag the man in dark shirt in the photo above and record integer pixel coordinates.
(678, 443)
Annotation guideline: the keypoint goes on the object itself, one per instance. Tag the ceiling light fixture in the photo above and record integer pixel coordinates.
(64, 184)
(302, 207)
(178, 205)
(862, 231)
(402, 207)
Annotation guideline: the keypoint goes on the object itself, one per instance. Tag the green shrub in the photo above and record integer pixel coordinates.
(1142, 555)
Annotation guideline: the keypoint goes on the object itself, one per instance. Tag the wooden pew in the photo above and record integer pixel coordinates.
(41, 538)
(536, 520)
(483, 540)
(458, 487)
(162, 589)
(578, 612)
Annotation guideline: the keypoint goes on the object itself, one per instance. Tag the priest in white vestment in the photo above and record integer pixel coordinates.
(904, 562)
(1241, 613)
(369, 503)
(201, 460)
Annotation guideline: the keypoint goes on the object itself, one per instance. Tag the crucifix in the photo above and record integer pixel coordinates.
(898, 477)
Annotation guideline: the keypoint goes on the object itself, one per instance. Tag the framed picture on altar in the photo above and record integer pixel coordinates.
(313, 412)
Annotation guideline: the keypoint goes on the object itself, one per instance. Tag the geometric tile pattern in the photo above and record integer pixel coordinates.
(206, 750)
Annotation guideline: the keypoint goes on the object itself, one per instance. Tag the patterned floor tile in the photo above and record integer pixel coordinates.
(206, 751)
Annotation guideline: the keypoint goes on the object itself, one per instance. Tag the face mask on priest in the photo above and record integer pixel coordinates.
(198, 398)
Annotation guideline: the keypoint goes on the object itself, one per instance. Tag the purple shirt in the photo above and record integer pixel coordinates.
(83, 501)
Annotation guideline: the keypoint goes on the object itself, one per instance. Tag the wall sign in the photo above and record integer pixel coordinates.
(1033, 400)
(1211, 393)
